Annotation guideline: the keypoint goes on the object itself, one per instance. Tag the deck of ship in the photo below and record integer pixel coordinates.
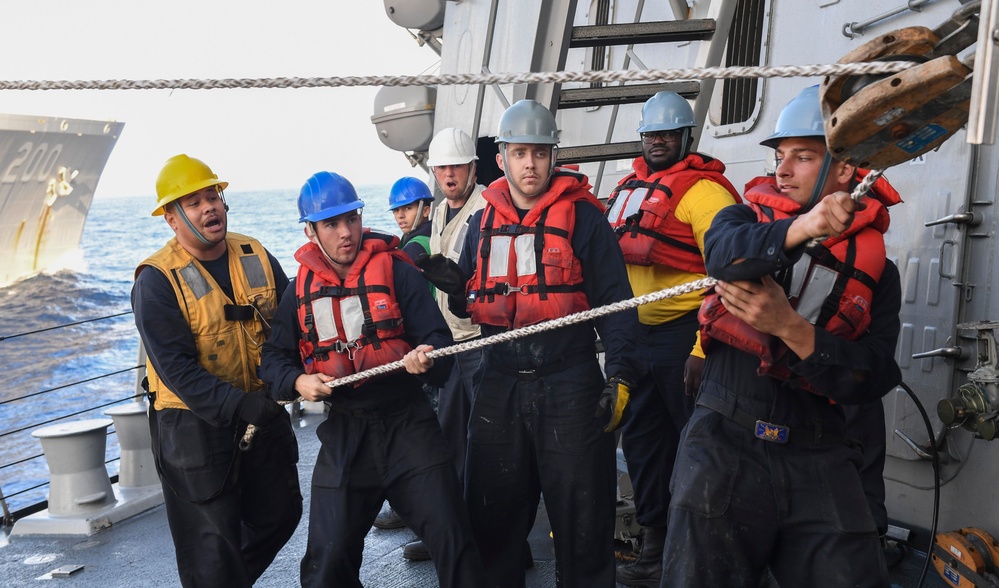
(139, 551)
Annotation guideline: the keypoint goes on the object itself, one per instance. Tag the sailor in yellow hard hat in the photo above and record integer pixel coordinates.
(203, 312)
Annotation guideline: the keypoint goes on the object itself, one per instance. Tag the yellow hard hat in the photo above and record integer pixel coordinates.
(182, 175)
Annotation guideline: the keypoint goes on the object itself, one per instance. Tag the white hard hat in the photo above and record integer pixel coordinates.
(451, 147)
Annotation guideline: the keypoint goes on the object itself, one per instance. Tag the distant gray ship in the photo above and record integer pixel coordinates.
(49, 169)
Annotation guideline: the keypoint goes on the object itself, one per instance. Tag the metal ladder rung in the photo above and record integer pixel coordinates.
(603, 152)
(665, 31)
(630, 94)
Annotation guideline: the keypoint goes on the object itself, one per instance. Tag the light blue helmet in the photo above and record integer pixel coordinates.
(666, 111)
(407, 191)
(326, 195)
(802, 117)
(527, 122)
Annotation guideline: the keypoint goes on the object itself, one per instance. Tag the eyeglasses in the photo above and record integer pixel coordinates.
(667, 136)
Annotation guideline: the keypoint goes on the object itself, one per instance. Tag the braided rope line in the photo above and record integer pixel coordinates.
(866, 184)
(561, 77)
(564, 321)
(569, 319)
(857, 195)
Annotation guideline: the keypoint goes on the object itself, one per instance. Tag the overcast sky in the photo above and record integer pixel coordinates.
(254, 139)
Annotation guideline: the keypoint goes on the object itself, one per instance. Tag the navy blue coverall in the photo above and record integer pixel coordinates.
(742, 504)
(381, 440)
(230, 512)
(413, 248)
(534, 427)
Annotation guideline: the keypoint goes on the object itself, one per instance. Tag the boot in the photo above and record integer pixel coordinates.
(415, 551)
(647, 570)
(389, 520)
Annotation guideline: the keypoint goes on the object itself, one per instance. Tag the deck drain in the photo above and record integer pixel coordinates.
(41, 559)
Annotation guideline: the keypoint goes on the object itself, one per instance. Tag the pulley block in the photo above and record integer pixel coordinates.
(875, 122)
(962, 557)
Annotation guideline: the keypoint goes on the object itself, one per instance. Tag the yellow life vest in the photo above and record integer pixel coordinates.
(228, 333)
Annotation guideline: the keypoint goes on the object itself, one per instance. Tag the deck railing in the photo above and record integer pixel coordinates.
(21, 499)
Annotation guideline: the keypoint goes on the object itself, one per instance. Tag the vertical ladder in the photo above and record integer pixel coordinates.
(708, 22)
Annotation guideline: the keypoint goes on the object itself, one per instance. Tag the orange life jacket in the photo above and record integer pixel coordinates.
(353, 324)
(832, 285)
(527, 271)
(642, 211)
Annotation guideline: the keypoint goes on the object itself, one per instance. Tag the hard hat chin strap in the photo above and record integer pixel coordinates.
(684, 142)
(820, 184)
(544, 185)
(419, 216)
(314, 233)
(470, 184)
(179, 211)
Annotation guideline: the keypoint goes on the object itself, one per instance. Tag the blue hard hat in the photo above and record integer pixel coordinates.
(407, 191)
(802, 117)
(326, 195)
(666, 111)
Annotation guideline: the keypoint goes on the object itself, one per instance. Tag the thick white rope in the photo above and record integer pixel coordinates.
(564, 321)
(866, 184)
(561, 77)
(570, 319)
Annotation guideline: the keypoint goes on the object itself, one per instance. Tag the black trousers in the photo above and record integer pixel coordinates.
(395, 452)
(229, 512)
(657, 412)
(742, 504)
(455, 405)
(534, 436)
(865, 423)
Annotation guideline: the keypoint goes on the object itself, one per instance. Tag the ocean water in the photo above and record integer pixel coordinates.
(62, 374)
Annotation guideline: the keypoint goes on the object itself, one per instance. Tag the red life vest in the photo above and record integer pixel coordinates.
(353, 324)
(832, 286)
(642, 212)
(527, 271)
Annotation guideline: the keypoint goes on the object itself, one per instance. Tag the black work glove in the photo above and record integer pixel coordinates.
(692, 370)
(443, 273)
(613, 399)
(258, 409)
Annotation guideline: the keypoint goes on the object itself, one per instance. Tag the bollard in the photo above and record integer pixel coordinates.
(74, 452)
(137, 468)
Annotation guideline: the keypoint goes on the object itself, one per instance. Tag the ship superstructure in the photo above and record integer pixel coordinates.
(942, 238)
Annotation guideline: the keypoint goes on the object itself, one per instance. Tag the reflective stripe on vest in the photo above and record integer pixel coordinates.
(228, 333)
(527, 271)
(642, 212)
(832, 286)
(353, 324)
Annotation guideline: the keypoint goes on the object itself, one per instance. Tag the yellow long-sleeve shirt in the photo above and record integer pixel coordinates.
(697, 209)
